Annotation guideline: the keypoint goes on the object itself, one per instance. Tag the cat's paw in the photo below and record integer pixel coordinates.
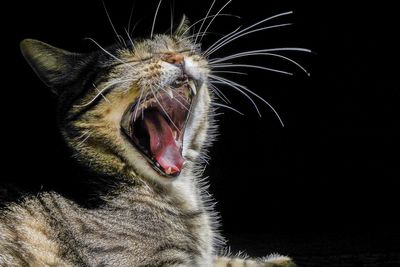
(276, 260)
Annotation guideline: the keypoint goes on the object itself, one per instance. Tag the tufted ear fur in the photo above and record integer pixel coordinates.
(55, 67)
(182, 27)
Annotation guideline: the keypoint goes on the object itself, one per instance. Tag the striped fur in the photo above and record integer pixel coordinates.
(139, 226)
(270, 261)
(143, 218)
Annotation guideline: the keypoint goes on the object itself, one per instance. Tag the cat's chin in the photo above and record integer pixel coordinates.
(155, 126)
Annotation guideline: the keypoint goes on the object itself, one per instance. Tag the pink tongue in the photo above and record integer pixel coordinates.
(162, 143)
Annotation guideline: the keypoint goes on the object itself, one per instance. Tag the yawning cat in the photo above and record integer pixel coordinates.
(140, 117)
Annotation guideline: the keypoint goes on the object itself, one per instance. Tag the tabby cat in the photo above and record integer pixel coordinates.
(139, 117)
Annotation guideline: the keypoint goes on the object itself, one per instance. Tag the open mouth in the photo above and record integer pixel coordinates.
(157, 124)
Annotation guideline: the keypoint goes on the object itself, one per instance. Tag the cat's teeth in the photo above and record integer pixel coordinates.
(192, 87)
(175, 134)
(169, 92)
(168, 171)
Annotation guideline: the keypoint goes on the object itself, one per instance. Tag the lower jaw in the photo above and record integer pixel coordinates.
(151, 164)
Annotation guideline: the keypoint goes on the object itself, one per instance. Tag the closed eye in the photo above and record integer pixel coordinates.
(186, 51)
(189, 52)
(137, 61)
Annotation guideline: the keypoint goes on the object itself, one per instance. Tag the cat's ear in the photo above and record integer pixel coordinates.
(183, 27)
(54, 66)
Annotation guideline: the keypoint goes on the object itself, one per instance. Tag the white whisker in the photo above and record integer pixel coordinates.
(228, 107)
(129, 37)
(83, 135)
(154, 20)
(134, 27)
(222, 39)
(85, 139)
(205, 161)
(251, 92)
(138, 103)
(120, 39)
(244, 34)
(179, 102)
(130, 17)
(298, 49)
(172, 16)
(232, 35)
(231, 72)
(258, 53)
(202, 24)
(206, 33)
(212, 20)
(230, 84)
(105, 51)
(100, 93)
(211, 16)
(145, 97)
(219, 93)
(181, 97)
(249, 66)
(165, 112)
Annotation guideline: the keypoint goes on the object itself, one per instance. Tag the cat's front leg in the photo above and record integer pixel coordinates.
(274, 260)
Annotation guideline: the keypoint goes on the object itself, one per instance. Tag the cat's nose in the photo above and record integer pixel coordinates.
(174, 58)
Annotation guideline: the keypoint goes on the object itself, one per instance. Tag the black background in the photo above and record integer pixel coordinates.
(329, 179)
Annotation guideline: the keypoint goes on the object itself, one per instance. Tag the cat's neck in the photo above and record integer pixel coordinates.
(183, 192)
(96, 190)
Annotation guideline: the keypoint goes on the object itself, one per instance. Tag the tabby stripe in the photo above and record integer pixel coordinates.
(98, 225)
(108, 250)
(120, 222)
(188, 249)
(160, 226)
(164, 263)
(126, 230)
(63, 238)
(191, 215)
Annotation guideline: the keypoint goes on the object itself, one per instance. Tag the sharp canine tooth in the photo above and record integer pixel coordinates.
(193, 87)
(169, 92)
(174, 133)
(168, 171)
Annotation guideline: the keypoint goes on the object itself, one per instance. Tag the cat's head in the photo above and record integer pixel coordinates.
(139, 110)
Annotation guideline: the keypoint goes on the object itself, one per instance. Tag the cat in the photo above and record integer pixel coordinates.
(139, 118)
